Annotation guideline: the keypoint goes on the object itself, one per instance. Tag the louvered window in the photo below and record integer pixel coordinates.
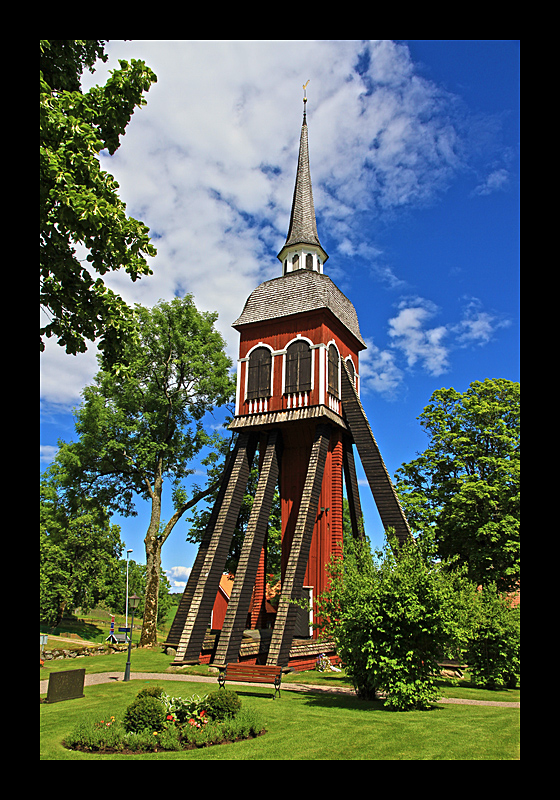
(333, 370)
(298, 367)
(258, 382)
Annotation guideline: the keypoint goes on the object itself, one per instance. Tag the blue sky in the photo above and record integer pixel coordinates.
(414, 153)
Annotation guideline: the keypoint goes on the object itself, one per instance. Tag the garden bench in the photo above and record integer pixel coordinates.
(251, 673)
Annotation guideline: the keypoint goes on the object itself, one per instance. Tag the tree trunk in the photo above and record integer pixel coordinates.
(153, 543)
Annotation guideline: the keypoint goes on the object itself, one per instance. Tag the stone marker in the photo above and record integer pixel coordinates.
(66, 685)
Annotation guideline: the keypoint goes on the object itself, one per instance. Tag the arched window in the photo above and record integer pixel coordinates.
(258, 381)
(295, 262)
(309, 261)
(298, 367)
(350, 367)
(333, 370)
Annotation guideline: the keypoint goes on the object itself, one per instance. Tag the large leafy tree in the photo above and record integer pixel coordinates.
(140, 425)
(79, 551)
(79, 203)
(464, 488)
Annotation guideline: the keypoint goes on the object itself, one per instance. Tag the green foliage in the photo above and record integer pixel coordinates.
(79, 204)
(222, 703)
(145, 712)
(96, 734)
(182, 709)
(140, 425)
(493, 652)
(464, 489)
(79, 551)
(154, 721)
(392, 615)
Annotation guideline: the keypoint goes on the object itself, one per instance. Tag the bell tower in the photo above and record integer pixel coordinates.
(297, 401)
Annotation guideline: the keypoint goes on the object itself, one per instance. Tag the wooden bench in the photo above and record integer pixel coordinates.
(251, 673)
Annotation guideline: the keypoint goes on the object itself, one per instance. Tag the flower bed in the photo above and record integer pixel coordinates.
(154, 721)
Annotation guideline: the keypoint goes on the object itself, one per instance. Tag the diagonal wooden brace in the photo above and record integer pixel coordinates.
(284, 625)
(382, 489)
(354, 505)
(180, 619)
(213, 565)
(239, 602)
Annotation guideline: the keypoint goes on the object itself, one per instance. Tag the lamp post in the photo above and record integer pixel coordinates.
(126, 609)
(134, 600)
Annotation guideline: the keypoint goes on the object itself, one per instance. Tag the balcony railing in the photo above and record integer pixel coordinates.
(296, 400)
(258, 406)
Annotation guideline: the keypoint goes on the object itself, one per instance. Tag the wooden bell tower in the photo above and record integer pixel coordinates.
(298, 402)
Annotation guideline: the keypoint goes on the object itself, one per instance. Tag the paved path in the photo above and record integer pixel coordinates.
(110, 677)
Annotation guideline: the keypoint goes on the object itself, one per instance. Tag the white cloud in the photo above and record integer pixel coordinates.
(419, 343)
(209, 164)
(379, 372)
(477, 326)
(496, 180)
(47, 453)
(178, 577)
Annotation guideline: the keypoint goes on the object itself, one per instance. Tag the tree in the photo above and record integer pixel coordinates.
(392, 614)
(79, 204)
(140, 424)
(464, 488)
(79, 549)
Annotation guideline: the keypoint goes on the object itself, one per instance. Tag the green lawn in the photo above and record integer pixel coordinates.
(305, 726)
(146, 660)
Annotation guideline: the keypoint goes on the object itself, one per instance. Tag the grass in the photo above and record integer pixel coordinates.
(147, 660)
(307, 727)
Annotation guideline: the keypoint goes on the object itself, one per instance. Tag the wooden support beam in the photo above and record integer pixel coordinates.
(352, 494)
(238, 607)
(178, 626)
(213, 564)
(292, 585)
(382, 489)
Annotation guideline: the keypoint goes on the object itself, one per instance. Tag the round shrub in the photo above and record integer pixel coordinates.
(151, 691)
(144, 712)
(222, 704)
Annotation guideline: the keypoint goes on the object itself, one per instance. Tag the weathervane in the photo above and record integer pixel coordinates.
(304, 99)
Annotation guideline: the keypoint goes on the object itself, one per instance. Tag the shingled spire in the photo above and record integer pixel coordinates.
(302, 249)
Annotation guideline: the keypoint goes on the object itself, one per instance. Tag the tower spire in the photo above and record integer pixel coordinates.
(302, 249)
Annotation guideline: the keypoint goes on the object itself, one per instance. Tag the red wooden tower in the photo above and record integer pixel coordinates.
(298, 402)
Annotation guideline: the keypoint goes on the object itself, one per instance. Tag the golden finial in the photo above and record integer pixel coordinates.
(304, 88)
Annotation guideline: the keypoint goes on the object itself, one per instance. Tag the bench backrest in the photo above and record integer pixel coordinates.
(252, 670)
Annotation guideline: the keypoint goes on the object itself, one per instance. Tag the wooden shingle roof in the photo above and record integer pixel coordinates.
(297, 292)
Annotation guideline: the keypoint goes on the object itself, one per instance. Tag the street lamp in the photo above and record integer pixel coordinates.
(126, 609)
(134, 601)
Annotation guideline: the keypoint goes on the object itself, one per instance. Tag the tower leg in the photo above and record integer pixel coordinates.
(238, 606)
(292, 584)
(354, 505)
(219, 537)
(180, 619)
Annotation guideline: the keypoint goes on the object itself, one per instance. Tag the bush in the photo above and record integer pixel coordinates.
(93, 734)
(493, 652)
(391, 614)
(182, 709)
(221, 704)
(145, 712)
(102, 735)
